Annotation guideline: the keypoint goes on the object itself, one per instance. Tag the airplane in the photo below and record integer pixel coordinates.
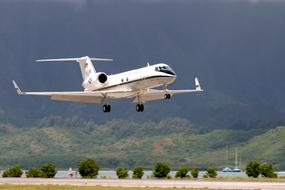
(138, 84)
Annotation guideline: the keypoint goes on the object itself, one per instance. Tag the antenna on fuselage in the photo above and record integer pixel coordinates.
(147, 64)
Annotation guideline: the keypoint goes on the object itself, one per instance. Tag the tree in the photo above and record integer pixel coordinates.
(35, 172)
(88, 168)
(138, 172)
(14, 171)
(266, 170)
(122, 173)
(161, 170)
(182, 172)
(49, 170)
(195, 172)
(212, 172)
(253, 169)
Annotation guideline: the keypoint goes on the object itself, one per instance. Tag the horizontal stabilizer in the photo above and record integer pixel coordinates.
(77, 59)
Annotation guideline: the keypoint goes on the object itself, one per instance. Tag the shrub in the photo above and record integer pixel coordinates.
(49, 170)
(182, 172)
(138, 172)
(253, 169)
(161, 170)
(195, 172)
(266, 170)
(212, 172)
(88, 168)
(14, 171)
(122, 173)
(35, 172)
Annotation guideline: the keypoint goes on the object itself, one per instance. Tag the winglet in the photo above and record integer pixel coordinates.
(17, 87)
(197, 85)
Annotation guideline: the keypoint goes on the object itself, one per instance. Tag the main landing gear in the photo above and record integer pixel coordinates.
(167, 96)
(139, 107)
(106, 108)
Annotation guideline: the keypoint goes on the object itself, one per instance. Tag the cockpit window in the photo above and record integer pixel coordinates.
(165, 69)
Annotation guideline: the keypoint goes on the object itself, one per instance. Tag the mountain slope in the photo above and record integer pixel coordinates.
(118, 143)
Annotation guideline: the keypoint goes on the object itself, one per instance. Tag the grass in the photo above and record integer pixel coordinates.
(68, 187)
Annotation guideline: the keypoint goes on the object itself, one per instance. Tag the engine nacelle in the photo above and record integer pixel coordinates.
(102, 78)
(95, 81)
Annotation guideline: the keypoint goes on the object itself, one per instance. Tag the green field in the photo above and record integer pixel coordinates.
(67, 187)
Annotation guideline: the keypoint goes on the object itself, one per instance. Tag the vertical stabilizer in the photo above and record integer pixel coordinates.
(86, 67)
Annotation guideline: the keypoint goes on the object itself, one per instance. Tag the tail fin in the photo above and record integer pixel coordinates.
(85, 63)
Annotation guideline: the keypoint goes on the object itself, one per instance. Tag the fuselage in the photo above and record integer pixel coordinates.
(139, 79)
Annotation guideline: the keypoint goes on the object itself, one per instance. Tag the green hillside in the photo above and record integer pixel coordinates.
(117, 143)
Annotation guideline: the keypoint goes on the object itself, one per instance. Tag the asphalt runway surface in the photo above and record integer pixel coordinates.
(233, 185)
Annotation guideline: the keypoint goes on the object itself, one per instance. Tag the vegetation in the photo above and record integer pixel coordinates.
(49, 170)
(138, 172)
(35, 172)
(211, 172)
(266, 170)
(253, 169)
(195, 172)
(182, 172)
(88, 168)
(173, 140)
(122, 173)
(14, 171)
(160, 170)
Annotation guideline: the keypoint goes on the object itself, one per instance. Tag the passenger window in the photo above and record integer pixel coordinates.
(122, 80)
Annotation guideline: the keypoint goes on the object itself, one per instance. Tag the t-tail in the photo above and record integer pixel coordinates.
(92, 79)
(85, 63)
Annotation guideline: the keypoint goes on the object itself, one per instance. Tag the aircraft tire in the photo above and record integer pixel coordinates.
(167, 96)
(106, 108)
(139, 107)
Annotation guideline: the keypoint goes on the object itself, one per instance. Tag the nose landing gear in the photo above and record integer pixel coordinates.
(140, 107)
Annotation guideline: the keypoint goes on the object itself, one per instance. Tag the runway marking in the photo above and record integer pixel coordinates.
(233, 185)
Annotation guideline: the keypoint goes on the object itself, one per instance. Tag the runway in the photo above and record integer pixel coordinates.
(233, 185)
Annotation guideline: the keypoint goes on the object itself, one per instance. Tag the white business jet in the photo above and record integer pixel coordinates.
(99, 87)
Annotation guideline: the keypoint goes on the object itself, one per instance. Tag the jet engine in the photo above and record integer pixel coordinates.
(96, 81)
(102, 78)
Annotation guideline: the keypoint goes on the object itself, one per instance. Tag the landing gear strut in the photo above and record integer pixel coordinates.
(106, 108)
(139, 107)
(167, 96)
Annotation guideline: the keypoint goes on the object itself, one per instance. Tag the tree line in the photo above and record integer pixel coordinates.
(89, 168)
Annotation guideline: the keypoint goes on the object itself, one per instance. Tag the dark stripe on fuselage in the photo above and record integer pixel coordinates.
(131, 82)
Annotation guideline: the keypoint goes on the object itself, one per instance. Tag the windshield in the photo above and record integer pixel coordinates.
(165, 69)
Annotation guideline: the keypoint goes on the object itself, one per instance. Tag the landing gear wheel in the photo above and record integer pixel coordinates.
(140, 107)
(106, 108)
(167, 96)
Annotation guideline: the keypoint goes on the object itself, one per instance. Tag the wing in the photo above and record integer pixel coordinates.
(153, 94)
(80, 96)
